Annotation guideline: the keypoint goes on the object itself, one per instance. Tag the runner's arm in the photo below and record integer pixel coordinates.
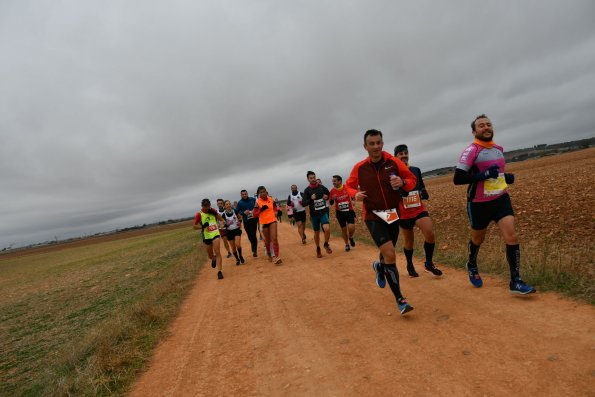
(409, 180)
(306, 196)
(197, 224)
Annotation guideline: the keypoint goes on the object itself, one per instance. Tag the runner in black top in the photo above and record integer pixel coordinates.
(315, 196)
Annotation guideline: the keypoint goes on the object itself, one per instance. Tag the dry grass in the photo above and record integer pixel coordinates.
(82, 321)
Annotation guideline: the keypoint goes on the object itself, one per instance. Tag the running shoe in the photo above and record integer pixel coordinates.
(237, 262)
(347, 247)
(229, 254)
(474, 277)
(518, 286)
(411, 271)
(318, 252)
(431, 268)
(352, 242)
(270, 258)
(277, 260)
(254, 254)
(242, 260)
(403, 306)
(328, 249)
(214, 262)
(220, 275)
(380, 279)
(304, 240)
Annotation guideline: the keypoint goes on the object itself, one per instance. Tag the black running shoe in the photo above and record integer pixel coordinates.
(242, 260)
(214, 262)
(220, 275)
(237, 262)
(229, 255)
(411, 271)
(254, 254)
(430, 267)
(347, 247)
(352, 242)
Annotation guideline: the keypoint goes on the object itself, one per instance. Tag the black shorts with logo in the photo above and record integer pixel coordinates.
(383, 232)
(409, 223)
(299, 216)
(482, 213)
(345, 217)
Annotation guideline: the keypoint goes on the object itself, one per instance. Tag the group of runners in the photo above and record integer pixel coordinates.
(392, 193)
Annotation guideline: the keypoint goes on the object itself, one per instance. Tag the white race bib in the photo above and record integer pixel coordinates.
(413, 200)
(389, 216)
(344, 206)
(319, 204)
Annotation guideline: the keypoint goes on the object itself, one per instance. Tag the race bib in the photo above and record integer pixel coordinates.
(344, 206)
(319, 204)
(212, 228)
(389, 216)
(413, 200)
(494, 186)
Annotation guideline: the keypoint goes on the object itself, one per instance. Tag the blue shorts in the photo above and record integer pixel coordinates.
(319, 219)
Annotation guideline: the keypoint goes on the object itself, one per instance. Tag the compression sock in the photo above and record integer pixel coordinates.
(408, 256)
(392, 276)
(240, 254)
(235, 254)
(429, 249)
(513, 255)
(473, 251)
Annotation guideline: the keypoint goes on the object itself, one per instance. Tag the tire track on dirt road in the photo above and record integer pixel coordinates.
(322, 327)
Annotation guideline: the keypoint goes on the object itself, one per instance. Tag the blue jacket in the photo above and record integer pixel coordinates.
(244, 205)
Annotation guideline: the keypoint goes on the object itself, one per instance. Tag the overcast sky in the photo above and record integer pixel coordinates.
(118, 113)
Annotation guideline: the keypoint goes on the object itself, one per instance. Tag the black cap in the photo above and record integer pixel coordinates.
(205, 202)
(400, 148)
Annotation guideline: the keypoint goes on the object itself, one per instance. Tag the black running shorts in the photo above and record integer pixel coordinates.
(482, 213)
(232, 234)
(382, 232)
(209, 241)
(299, 216)
(409, 223)
(345, 217)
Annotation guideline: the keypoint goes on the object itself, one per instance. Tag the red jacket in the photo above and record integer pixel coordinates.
(374, 179)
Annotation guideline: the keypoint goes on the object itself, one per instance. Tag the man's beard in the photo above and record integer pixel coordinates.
(483, 139)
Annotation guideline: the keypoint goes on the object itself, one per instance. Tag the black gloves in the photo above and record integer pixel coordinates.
(264, 207)
(509, 178)
(491, 172)
(424, 194)
(205, 225)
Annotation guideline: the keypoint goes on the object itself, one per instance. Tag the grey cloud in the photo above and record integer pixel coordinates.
(131, 112)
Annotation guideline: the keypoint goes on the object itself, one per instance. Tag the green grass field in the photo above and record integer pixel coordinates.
(84, 320)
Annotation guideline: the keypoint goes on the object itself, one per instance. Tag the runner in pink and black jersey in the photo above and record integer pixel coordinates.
(481, 166)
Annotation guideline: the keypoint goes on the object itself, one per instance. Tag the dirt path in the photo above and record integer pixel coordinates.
(321, 327)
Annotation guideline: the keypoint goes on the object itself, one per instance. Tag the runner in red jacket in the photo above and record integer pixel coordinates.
(343, 211)
(376, 181)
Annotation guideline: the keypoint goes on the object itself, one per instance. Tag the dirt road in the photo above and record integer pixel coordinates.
(321, 327)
